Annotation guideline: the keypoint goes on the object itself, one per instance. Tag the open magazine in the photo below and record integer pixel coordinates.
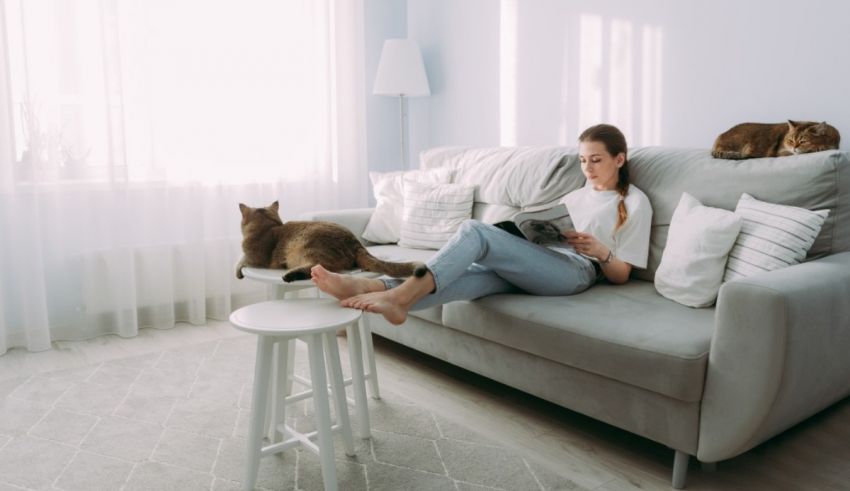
(542, 226)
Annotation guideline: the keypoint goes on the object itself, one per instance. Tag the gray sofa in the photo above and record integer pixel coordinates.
(711, 382)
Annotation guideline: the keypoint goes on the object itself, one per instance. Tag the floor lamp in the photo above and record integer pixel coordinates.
(401, 74)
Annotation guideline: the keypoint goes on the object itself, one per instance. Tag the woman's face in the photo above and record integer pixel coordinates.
(599, 167)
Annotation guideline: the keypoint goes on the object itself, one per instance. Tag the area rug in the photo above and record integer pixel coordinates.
(178, 419)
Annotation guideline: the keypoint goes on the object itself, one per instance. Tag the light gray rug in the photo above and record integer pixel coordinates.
(177, 420)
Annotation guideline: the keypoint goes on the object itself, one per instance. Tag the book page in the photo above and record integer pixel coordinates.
(544, 226)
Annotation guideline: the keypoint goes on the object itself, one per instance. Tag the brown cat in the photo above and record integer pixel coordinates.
(267, 242)
(753, 140)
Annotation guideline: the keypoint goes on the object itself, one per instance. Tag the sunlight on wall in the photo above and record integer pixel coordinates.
(608, 68)
(619, 78)
(566, 134)
(651, 87)
(590, 71)
(508, 73)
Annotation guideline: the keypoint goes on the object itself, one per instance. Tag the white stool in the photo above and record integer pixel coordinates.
(314, 321)
(359, 335)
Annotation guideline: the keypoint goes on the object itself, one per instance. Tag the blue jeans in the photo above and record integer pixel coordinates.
(481, 260)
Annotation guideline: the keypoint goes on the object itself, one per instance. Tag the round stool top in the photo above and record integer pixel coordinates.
(294, 317)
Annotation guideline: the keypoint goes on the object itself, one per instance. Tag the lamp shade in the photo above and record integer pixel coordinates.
(401, 71)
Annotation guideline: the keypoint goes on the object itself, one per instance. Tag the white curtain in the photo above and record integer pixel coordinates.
(130, 131)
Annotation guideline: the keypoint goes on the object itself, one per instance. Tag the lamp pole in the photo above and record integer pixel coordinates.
(401, 129)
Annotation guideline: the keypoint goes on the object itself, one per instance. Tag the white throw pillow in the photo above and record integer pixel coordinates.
(384, 225)
(772, 237)
(698, 243)
(433, 213)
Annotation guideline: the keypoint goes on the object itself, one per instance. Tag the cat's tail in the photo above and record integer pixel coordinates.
(368, 262)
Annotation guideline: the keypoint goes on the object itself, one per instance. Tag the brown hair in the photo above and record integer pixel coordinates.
(615, 144)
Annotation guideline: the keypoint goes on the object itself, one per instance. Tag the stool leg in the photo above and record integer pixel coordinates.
(320, 397)
(369, 353)
(290, 365)
(262, 368)
(278, 389)
(338, 390)
(355, 353)
(267, 424)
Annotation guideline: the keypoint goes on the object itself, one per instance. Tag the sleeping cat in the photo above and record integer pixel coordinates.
(267, 242)
(753, 140)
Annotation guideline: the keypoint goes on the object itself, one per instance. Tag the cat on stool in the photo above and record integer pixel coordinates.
(753, 140)
(268, 242)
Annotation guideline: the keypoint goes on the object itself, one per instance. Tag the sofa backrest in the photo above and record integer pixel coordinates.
(815, 181)
(513, 178)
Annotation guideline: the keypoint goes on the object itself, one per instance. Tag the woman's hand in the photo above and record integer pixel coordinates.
(586, 244)
(616, 270)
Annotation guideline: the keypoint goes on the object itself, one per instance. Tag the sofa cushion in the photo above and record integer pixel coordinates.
(517, 177)
(698, 246)
(813, 181)
(626, 332)
(384, 226)
(433, 212)
(772, 237)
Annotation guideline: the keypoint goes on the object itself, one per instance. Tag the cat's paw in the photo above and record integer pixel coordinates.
(239, 274)
(728, 155)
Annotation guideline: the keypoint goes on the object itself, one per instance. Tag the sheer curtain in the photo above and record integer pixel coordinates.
(129, 133)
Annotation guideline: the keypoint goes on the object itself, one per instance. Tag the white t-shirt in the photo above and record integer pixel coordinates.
(595, 212)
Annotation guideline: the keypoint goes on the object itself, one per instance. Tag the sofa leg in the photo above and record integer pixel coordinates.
(680, 469)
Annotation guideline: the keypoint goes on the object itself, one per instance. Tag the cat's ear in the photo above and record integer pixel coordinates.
(793, 124)
(819, 129)
(274, 206)
(244, 209)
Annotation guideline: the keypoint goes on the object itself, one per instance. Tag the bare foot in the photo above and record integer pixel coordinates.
(388, 303)
(343, 286)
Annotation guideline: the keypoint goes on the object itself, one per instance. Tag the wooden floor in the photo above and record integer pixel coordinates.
(814, 455)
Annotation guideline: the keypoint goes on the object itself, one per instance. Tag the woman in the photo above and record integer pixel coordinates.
(611, 217)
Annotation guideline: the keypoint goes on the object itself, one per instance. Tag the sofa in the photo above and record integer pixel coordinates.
(706, 382)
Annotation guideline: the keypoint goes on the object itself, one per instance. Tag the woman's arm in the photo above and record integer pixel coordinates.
(616, 270)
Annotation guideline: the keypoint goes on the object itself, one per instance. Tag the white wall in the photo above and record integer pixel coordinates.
(667, 72)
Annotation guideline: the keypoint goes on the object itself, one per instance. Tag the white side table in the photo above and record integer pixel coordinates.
(361, 353)
(315, 321)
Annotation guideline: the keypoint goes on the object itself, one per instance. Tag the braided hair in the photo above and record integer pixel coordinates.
(615, 144)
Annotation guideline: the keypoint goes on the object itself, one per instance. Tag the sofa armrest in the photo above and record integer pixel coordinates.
(778, 354)
(355, 219)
